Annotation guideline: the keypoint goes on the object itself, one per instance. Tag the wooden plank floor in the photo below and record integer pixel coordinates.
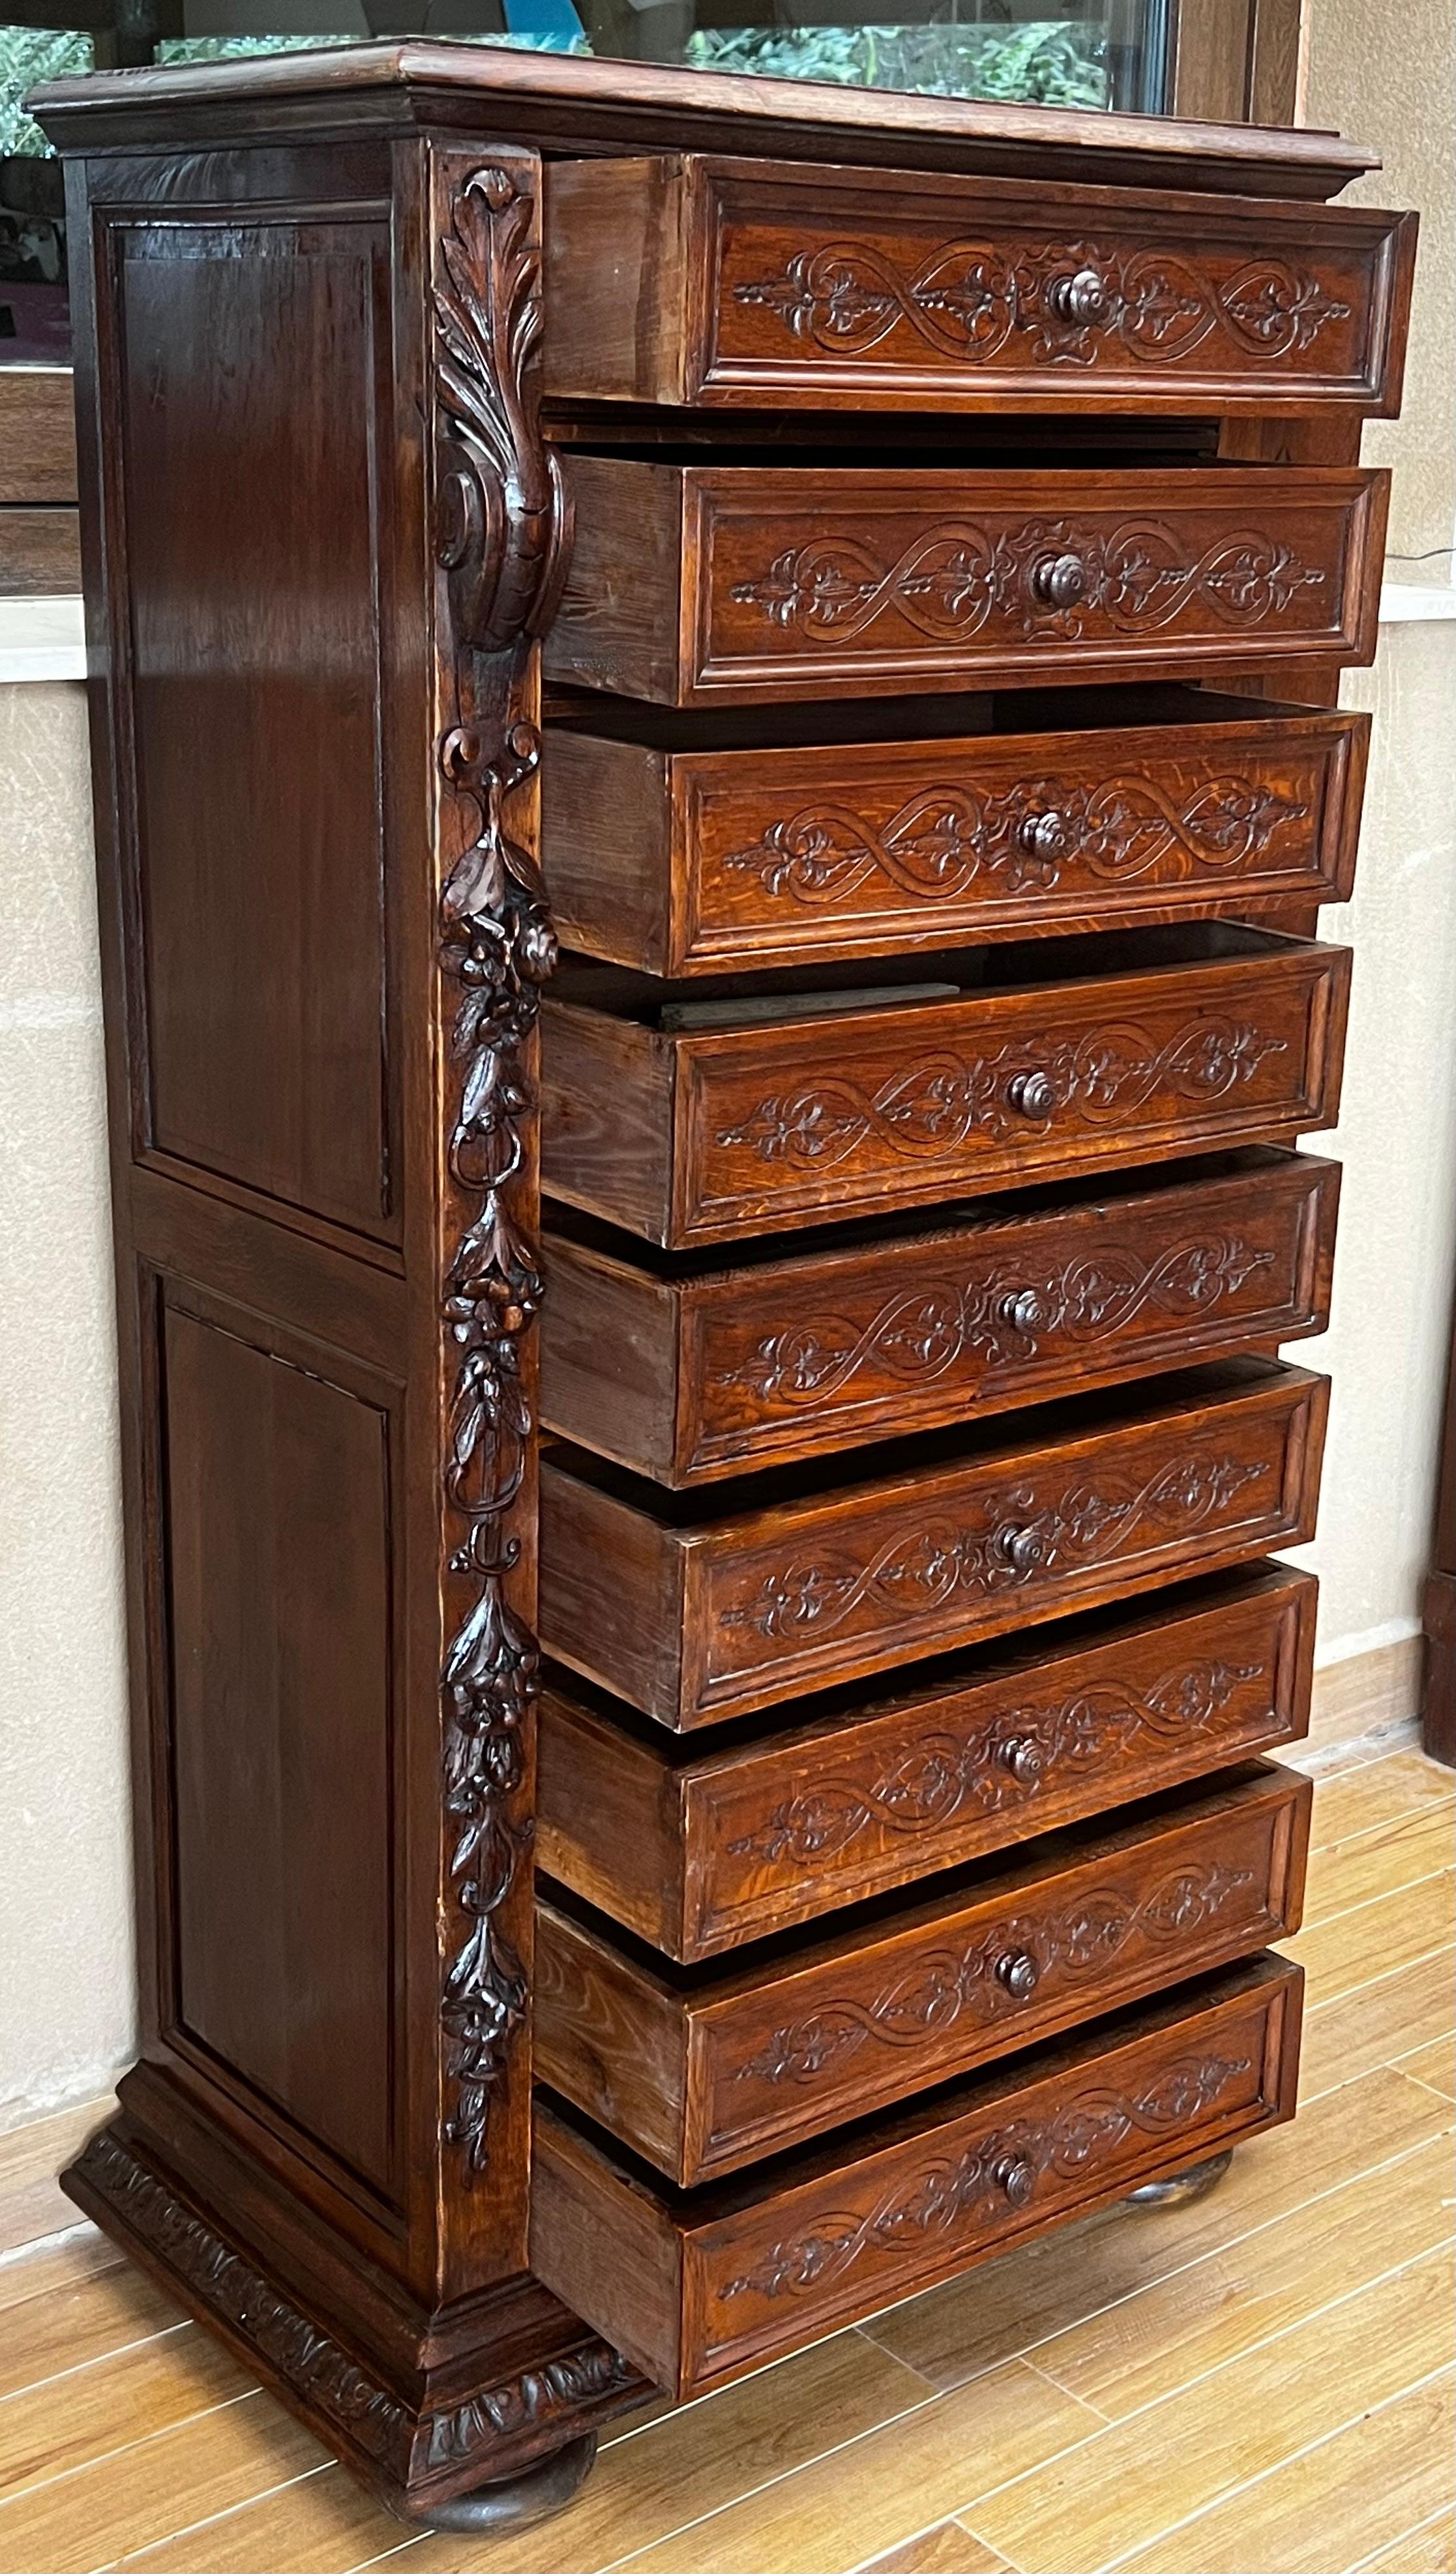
(1261, 2383)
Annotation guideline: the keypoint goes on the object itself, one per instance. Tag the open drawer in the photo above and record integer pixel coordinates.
(702, 2071)
(699, 2286)
(697, 1119)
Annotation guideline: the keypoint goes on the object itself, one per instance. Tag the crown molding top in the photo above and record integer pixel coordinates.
(570, 102)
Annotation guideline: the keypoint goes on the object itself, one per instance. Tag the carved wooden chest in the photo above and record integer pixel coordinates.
(702, 1634)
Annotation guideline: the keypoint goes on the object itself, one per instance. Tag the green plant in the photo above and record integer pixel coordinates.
(29, 55)
(1053, 61)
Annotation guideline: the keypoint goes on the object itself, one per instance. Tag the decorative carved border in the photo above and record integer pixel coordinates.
(503, 531)
(316, 2366)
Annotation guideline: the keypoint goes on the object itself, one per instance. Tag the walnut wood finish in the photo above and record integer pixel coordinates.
(701, 2074)
(684, 862)
(326, 524)
(40, 553)
(701, 585)
(686, 1375)
(37, 434)
(697, 1850)
(692, 1618)
(690, 280)
(1173, 1042)
(699, 2286)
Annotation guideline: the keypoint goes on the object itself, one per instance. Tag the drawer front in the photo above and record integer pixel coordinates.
(692, 1623)
(803, 1357)
(698, 1857)
(698, 2287)
(940, 1562)
(705, 584)
(702, 2082)
(839, 287)
(911, 1106)
(704, 861)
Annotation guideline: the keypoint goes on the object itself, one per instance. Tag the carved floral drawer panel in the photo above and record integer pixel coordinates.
(697, 1850)
(697, 2286)
(698, 862)
(691, 1617)
(1169, 1043)
(684, 1374)
(695, 585)
(691, 280)
(701, 2072)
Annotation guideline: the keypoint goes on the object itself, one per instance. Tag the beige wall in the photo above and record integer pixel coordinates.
(1384, 71)
(65, 1997)
(65, 1917)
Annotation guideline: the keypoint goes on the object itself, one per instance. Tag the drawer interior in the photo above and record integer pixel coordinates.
(925, 717)
(1016, 967)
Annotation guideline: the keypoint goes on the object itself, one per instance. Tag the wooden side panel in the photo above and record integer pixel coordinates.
(282, 1750)
(255, 446)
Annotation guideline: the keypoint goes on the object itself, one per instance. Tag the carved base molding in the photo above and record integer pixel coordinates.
(420, 2454)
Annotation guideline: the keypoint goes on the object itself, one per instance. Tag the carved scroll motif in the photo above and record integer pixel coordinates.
(1025, 1535)
(940, 1991)
(502, 538)
(967, 299)
(1030, 834)
(955, 575)
(944, 1775)
(934, 1106)
(999, 2175)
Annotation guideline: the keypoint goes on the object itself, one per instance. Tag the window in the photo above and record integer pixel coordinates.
(1067, 53)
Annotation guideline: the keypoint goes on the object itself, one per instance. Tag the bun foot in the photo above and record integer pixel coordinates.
(516, 2501)
(1195, 2183)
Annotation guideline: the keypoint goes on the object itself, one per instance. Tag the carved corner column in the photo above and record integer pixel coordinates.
(500, 528)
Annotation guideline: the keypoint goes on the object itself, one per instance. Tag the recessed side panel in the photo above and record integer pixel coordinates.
(278, 1545)
(249, 494)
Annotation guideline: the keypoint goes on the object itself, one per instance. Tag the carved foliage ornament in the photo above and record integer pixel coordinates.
(1031, 1533)
(1000, 1315)
(314, 2364)
(1079, 304)
(935, 1106)
(502, 543)
(1087, 1936)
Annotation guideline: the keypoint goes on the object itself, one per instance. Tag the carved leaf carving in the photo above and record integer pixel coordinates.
(927, 1330)
(932, 1107)
(1030, 834)
(954, 576)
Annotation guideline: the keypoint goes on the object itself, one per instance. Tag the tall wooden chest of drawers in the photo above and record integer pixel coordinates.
(704, 1641)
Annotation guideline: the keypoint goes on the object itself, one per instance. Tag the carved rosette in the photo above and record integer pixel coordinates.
(502, 534)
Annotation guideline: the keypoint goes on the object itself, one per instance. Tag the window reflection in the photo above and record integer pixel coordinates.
(1081, 53)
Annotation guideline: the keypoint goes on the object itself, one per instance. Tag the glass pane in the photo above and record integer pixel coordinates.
(1065, 53)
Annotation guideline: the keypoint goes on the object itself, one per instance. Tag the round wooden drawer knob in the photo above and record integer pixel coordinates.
(1022, 1757)
(1015, 2174)
(1059, 581)
(1081, 298)
(1025, 1311)
(1019, 1973)
(1032, 1094)
(1045, 835)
